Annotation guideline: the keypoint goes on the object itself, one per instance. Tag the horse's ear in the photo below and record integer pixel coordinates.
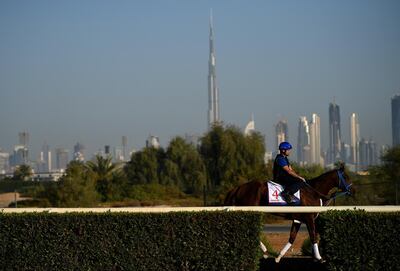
(341, 165)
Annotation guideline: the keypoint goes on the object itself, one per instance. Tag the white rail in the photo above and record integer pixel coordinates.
(265, 209)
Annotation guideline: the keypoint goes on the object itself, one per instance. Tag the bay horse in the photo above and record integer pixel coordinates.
(315, 193)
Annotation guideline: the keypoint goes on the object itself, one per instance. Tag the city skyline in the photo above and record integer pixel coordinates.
(69, 74)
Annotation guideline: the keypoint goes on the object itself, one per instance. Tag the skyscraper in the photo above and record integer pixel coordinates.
(79, 152)
(335, 138)
(396, 120)
(354, 139)
(281, 130)
(303, 142)
(368, 154)
(213, 103)
(124, 148)
(62, 158)
(45, 159)
(23, 138)
(315, 140)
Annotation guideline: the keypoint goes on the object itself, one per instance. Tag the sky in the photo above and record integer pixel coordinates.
(93, 71)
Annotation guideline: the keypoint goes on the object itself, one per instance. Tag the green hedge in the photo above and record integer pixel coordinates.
(129, 241)
(356, 240)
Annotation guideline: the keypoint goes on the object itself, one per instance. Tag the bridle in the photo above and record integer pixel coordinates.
(343, 185)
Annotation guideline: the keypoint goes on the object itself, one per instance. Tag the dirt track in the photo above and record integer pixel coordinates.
(279, 240)
(7, 198)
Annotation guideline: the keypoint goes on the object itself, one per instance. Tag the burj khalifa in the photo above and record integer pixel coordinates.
(213, 103)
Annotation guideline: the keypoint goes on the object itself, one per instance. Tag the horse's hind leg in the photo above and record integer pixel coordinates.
(293, 233)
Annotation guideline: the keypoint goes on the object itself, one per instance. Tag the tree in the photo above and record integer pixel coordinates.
(101, 171)
(231, 157)
(23, 172)
(183, 167)
(145, 166)
(389, 171)
(76, 188)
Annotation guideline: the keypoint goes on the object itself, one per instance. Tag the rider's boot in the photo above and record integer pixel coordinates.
(290, 199)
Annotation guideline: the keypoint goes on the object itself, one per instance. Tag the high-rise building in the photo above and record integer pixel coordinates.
(303, 142)
(368, 154)
(281, 131)
(62, 158)
(213, 103)
(315, 140)
(4, 162)
(79, 152)
(124, 148)
(23, 138)
(354, 139)
(250, 127)
(396, 120)
(335, 138)
(20, 156)
(44, 163)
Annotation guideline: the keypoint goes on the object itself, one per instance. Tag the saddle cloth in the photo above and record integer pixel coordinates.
(274, 194)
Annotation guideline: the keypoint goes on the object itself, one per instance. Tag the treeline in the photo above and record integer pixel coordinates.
(224, 158)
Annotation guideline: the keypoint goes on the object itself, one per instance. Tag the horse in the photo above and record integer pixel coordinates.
(315, 193)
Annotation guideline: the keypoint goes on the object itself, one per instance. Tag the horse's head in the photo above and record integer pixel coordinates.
(344, 182)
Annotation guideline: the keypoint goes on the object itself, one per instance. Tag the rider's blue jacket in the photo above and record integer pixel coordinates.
(278, 171)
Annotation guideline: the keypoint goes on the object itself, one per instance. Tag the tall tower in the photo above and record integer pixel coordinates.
(303, 141)
(335, 138)
(354, 138)
(315, 140)
(396, 120)
(213, 103)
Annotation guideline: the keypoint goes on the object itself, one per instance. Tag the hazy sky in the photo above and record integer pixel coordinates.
(92, 71)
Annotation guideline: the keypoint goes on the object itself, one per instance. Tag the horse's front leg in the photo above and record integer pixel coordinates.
(293, 233)
(310, 221)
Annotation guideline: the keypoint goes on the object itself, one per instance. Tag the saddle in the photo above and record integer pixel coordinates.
(274, 195)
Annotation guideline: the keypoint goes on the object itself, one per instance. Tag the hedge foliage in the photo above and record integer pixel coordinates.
(130, 241)
(356, 240)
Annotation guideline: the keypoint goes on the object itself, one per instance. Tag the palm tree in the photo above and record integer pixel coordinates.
(102, 170)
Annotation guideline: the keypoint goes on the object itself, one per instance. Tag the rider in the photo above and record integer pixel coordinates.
(284, 174)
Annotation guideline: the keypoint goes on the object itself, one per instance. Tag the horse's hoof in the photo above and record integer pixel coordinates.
(265, 255)
(320, 260)
(277, 259)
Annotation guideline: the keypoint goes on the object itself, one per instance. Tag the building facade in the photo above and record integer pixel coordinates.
(396, 120)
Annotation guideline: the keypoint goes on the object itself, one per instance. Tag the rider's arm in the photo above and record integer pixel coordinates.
(290, 171)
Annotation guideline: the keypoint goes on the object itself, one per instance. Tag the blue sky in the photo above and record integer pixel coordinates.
(92, 71)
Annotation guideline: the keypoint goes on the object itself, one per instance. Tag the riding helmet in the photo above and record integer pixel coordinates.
(285, 146)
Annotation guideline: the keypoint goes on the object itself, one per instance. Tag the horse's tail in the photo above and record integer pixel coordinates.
(230, 197)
